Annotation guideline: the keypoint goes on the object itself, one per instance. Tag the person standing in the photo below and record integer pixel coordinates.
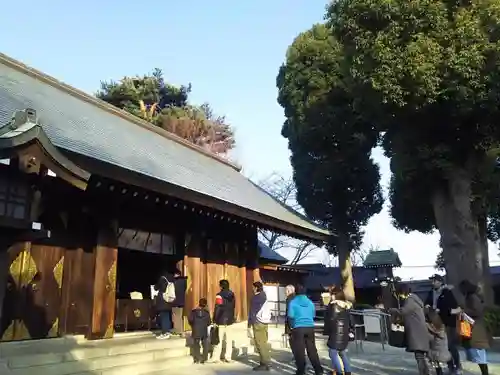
(442, 300)
(337, 322)
(199, 320)
(417, 335)
(259, 318)
(475, 346)
(439, 352)
(224, 319)
(290, 294)
(301, 312)
(163, 304)
(180, 284)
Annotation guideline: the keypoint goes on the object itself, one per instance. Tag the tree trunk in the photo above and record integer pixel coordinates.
(459, 229)
(487, 289)
(345, 266)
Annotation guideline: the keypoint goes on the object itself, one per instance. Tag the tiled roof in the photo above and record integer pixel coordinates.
(81, 124)
(329, 276)
(266, 253)
(382, 258)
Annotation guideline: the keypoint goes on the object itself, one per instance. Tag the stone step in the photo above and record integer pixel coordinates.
(63, 346)
(105, 363)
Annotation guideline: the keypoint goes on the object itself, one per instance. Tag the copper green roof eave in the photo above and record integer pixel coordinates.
(78, 123)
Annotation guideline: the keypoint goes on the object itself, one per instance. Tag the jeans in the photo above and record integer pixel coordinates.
(165, 321)
(340, 363)
(453, 342)
(423, 367)
(302, 341)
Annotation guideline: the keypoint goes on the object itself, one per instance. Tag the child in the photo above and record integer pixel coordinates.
(438, 352)
(337, 323)
(199, 320)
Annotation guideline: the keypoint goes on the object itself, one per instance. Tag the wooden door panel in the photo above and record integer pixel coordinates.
(76, 307)
(104, 292)
(12, 326)
(43, 292)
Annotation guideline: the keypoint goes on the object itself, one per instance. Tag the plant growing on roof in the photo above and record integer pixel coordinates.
(167, 106)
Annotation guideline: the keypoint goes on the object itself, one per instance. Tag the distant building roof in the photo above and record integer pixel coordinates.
(328, 276)
(381, 258)
(268, 254)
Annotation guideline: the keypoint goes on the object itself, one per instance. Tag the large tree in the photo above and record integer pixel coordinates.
(426, 75)
(337, 180)
(167, 106)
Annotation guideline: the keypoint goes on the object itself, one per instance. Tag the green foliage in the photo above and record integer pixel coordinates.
(337, 181)
(492, 320)
(167, 106)
(426, 73)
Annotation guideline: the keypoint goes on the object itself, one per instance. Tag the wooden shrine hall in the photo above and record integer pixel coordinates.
(95, 204)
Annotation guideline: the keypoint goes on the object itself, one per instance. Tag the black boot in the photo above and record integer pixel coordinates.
(484, 369)
(262, 367)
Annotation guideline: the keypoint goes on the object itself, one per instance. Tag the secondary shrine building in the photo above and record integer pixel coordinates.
(95, 204)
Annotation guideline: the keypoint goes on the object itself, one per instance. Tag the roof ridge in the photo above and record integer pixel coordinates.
(79, 94)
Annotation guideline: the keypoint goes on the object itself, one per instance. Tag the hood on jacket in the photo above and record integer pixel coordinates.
(416, 299)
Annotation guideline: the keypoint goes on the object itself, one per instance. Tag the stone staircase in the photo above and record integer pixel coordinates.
(125, 354)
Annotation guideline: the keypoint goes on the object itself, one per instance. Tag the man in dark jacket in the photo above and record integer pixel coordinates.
(199, 320)
(441, 299)
(417, 336)
(163, 308)
(259, 317)
(180, 284)
(224, 318)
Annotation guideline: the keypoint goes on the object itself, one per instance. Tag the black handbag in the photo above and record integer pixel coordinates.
(214, 336)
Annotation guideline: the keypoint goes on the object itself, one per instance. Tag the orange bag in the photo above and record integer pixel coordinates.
(464, 329)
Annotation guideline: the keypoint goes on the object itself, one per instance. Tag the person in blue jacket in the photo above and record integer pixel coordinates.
(301, 313)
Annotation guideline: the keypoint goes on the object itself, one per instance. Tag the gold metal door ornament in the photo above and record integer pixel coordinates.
(112, 277)
(58, 272)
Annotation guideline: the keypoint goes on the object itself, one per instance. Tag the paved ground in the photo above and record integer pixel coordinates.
(372, 361)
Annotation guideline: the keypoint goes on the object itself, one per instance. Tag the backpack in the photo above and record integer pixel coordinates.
(169, 294)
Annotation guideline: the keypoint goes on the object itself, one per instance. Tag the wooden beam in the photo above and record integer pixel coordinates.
(104, 290)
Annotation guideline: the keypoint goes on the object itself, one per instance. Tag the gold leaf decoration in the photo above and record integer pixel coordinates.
(15, 268)
(54, 330)
(109, 331)
(28, 270)
(20, 331)
(8, 335)
(112, 277)
(58, 272)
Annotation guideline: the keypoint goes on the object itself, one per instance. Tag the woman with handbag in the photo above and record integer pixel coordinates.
(475, 338)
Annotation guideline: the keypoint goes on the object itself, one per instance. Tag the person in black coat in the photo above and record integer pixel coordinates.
(180, 285)
(162, 307)
(199, 320)
(337, 324)
(224, 318)
(443, 301)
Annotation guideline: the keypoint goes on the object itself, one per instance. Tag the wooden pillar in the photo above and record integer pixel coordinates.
(232, 275)
(242, 273)
(104, 285)
(192, 265)
(253, 272)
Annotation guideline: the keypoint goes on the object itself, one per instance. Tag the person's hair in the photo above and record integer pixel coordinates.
(300, 289)
(435, 319)
(203, 303)
(290, 289)
(224, 284)
(258, 285)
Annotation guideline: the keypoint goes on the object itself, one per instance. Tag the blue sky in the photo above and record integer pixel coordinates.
(229, 51)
